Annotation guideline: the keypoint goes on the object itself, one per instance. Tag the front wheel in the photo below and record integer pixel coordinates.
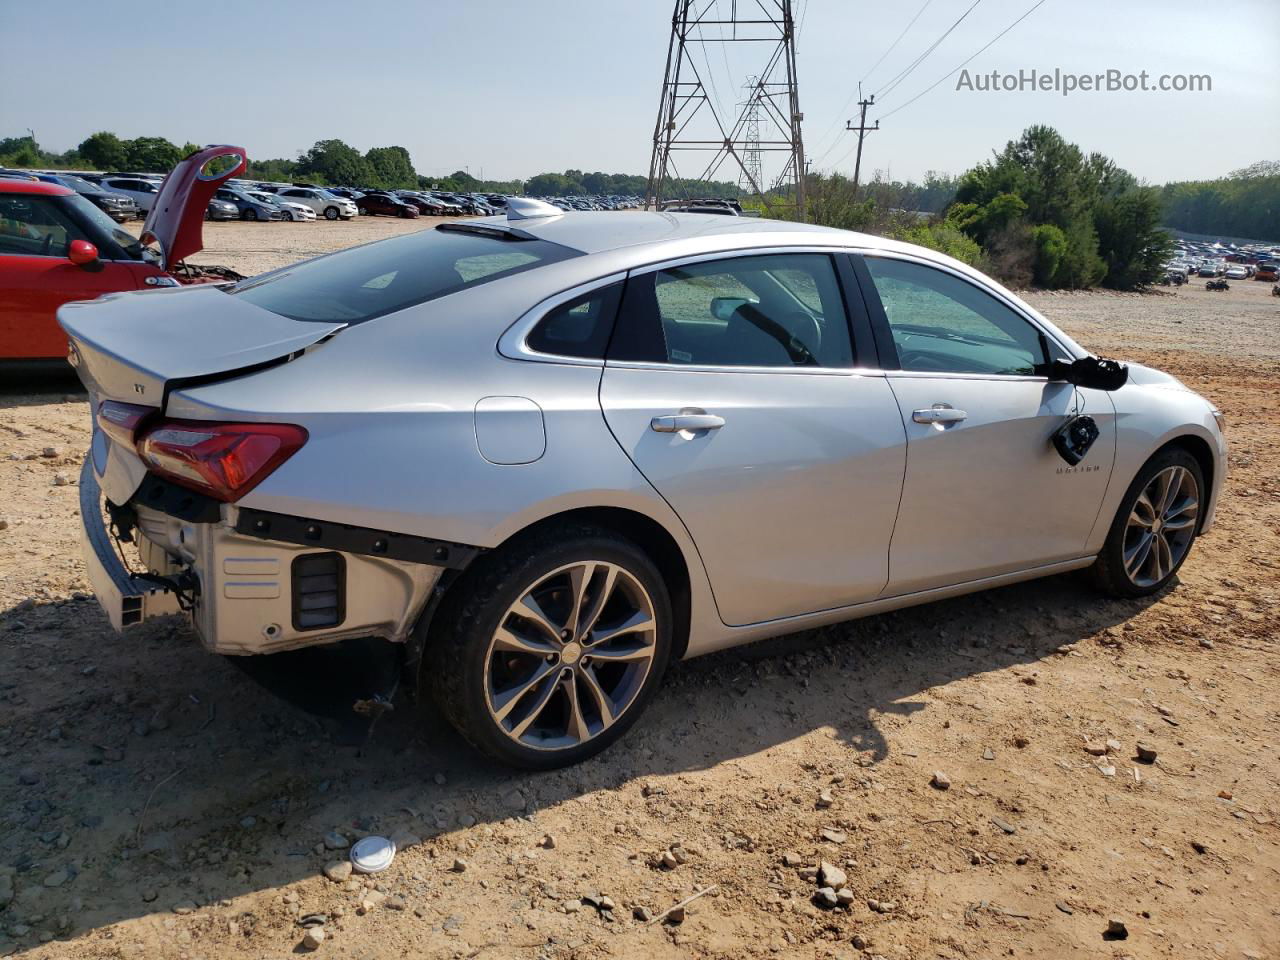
(548, 651)
(331, 213)
(249, 215)
(1153, 530)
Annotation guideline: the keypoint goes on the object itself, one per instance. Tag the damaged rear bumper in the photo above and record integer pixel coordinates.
(125, 599)
(251, 590)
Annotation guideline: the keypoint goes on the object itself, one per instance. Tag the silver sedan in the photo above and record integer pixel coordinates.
(546, 454)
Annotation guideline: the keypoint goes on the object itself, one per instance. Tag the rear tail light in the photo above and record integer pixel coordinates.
(222, 460)
(120, 421)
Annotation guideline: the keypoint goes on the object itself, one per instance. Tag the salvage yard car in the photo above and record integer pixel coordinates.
(549, 453)
(56, 247)
(324, 203)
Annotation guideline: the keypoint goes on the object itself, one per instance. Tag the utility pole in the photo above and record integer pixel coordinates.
(862, 130)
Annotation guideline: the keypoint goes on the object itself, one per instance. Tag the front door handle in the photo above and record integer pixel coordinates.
(939, 413)
(686, 422)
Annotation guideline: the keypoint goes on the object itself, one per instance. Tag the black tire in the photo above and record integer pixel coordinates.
(1108, 572)
(249, 214)
(458, 650)
(331, 213)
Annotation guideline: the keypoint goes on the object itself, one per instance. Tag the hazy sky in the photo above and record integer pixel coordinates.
(511, 87)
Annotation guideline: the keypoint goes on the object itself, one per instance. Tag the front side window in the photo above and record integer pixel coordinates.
(365, 282)
(776, 310)
(943, 324)
(33, 226)
(579, 327)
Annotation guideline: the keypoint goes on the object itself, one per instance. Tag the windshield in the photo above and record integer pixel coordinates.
(362, 283)
(132, 246)
(265, 198)
(326, 195)
(80, 185)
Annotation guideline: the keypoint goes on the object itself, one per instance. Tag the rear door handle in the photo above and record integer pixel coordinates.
(680, 422)
(939, 413)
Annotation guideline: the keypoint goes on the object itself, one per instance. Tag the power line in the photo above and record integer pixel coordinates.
(1032, 10)
(895, 43)
(857, 93)
(920, 59)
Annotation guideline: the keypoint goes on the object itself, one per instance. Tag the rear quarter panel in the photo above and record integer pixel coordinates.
(390, 406)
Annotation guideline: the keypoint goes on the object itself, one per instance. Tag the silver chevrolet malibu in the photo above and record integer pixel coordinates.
(546, 454)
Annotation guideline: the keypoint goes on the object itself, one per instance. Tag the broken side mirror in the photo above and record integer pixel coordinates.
(1096, 373)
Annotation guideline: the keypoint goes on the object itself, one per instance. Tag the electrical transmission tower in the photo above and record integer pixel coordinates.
(770, 117)
(752, 168)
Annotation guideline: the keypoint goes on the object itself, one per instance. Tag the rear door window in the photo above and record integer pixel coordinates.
(362, 283)
(774, 310)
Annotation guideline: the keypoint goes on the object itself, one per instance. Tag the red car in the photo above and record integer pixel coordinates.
(56, 246)
(375, 203)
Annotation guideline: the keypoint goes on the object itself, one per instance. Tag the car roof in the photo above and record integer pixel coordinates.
(602, 231)
(41, 187)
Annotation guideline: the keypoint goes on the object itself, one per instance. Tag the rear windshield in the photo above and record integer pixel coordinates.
(362, 283)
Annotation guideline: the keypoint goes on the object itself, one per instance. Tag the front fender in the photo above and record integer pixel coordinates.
(1149, 416)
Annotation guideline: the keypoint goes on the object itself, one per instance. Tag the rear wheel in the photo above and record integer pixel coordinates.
(1154, 528)
(331, 213)
(550, 650)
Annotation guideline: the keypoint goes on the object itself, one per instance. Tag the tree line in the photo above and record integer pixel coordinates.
(1245, 203)
(335, 162)
(1040, 211)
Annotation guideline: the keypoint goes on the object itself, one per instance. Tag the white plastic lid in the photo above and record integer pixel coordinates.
(372, 854)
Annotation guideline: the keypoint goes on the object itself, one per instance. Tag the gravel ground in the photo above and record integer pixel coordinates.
(157, 801)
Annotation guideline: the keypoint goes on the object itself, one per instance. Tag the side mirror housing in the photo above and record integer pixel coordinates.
(1096, 373)
(82, 253)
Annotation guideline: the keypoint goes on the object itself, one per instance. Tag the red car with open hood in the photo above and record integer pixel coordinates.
(56, 246)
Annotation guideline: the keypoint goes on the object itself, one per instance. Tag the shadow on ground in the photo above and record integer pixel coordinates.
(143, 764)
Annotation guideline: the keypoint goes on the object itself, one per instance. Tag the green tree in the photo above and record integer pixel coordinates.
(1130, 240)
(391, 167)
(151, 154)
(104, 150)
(333, 161)
(1050, 247)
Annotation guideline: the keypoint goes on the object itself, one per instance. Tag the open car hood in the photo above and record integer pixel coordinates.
(176, 221)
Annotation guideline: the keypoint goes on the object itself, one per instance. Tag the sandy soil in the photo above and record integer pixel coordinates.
(155, 801)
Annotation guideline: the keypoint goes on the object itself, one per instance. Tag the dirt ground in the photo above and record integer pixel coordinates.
(158, 801)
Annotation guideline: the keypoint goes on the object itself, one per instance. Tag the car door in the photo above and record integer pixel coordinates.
(731, 383)
(985, 492)
(36, 277)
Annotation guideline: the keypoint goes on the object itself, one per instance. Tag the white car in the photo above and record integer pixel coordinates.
(141, 191)
(323, 202)
(290, 209)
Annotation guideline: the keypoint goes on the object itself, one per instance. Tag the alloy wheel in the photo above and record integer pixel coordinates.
(1161, 526)
(571, 656)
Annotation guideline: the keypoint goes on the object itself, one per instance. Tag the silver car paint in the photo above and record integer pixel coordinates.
(390, 406)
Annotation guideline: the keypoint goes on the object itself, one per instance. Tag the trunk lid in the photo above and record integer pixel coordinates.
(176, 220)
(135, 347)
(131, 347)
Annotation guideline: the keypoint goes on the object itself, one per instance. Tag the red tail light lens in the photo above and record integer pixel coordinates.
(120, 421)
(222, 460)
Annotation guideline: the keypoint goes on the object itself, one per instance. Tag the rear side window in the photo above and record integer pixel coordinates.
(362, 283)
(773, 310)
(580, 327)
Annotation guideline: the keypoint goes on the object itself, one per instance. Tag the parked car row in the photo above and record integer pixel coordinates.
(596, 203)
